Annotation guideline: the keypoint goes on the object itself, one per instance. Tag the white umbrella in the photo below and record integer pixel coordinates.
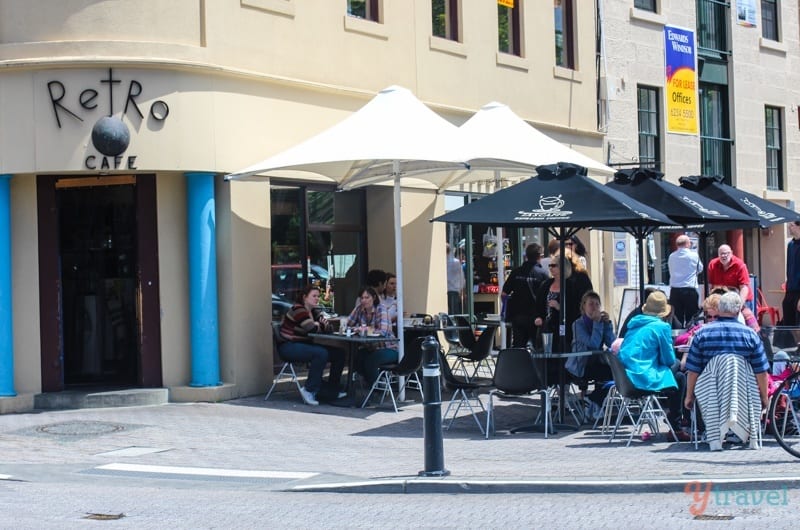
(497, 137)
(393, 136)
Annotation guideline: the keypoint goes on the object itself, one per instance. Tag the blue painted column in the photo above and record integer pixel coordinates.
(203, 279)
(6, 315)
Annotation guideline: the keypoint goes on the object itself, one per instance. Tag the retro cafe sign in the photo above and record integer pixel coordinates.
(110, 135)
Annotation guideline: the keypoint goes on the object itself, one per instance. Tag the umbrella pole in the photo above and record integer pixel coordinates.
(640, 250)
(398, 259)
(501, 267)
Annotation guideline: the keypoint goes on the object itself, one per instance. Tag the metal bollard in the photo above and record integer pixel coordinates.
(432, 401)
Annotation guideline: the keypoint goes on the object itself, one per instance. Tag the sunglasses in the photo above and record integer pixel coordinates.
(553, 265)
(710, 317)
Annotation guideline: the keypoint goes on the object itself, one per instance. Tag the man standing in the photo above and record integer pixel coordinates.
(791, 300)
(684, 266)
(519, 291)
(729, 271)
(455, 283)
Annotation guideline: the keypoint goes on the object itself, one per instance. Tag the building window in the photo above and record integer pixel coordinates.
(563, 19)
(509, 28)
(317, 237)
(713, 17)
(366, 9)
(774, 140)
(645, 5)
(715, 140)
(445, 19)
(649, 120)
(769, 19)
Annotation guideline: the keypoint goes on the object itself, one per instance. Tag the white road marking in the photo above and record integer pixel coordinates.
(206, 471)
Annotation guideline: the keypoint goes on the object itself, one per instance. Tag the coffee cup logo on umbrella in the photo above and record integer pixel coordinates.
(550, 203)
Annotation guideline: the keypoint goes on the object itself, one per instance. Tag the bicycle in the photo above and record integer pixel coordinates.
(784, 412)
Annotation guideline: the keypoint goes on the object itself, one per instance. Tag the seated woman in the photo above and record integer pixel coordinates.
(371, 315)
(649, 358)
(592, 331)
(389, 296)
(303, 318)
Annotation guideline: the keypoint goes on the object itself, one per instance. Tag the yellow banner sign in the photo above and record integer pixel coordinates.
(506, 3)
(681, 80)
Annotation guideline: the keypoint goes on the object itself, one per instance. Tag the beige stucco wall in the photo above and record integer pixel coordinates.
(243, 253)
(174, 278)
(25, 285)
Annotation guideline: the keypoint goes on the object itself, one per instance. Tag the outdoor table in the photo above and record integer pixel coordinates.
(562, 380)
(497, 323)
(351, 344)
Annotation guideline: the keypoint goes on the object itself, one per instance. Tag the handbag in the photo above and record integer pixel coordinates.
(489, 244)
(766, 314)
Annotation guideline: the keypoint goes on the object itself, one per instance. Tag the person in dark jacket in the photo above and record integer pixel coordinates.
(519, 293)
(548, 299)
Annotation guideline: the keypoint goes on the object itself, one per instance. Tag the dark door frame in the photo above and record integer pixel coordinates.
(148, 298)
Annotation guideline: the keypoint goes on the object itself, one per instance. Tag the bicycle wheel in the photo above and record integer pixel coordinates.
(784, 414)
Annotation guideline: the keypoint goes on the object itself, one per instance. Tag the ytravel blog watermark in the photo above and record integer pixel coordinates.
(705, 494)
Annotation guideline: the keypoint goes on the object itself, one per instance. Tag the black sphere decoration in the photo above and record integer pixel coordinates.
(110, 136)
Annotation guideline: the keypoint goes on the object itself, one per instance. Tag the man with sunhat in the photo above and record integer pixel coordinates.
(649, 358)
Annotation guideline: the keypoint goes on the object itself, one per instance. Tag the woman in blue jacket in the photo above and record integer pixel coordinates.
(648, 355)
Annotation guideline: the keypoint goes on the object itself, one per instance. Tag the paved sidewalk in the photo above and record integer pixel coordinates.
(375, 449)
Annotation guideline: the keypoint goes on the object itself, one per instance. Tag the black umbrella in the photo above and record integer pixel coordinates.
(689, 208)
(562, 199)
(767, 213)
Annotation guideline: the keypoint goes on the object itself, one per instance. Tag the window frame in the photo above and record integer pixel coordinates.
(565, 59)
(773, 144)
(514, 15)
(770, 26)
(452, 15)
(649, 140)
(646, 5)
(372, 10)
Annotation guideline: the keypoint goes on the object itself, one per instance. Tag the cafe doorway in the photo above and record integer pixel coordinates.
(102, 242)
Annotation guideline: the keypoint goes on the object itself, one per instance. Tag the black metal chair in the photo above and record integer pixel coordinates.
(517, 377)
(452, 336)
(650, 410)
(478, 355)
(464, 392)
(408, 367)
(287, 370)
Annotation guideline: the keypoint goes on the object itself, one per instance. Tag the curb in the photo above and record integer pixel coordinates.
(484, 486)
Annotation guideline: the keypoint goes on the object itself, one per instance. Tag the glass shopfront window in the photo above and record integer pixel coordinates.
(481, 269)
(317, 238)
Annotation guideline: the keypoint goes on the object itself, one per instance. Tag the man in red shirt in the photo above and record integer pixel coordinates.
(729, 271)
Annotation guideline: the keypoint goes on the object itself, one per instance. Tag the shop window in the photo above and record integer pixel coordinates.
(317, 237)
(509, 27)
(564, 34)
(444, 15)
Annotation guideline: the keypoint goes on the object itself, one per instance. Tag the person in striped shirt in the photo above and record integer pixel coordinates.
(727, 335)
(303, 318)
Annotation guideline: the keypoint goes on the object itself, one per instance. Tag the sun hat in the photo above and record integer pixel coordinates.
(657, 305)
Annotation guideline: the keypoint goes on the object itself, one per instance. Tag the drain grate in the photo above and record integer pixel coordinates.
(710, 517)
(80, 428)
(104, 516)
